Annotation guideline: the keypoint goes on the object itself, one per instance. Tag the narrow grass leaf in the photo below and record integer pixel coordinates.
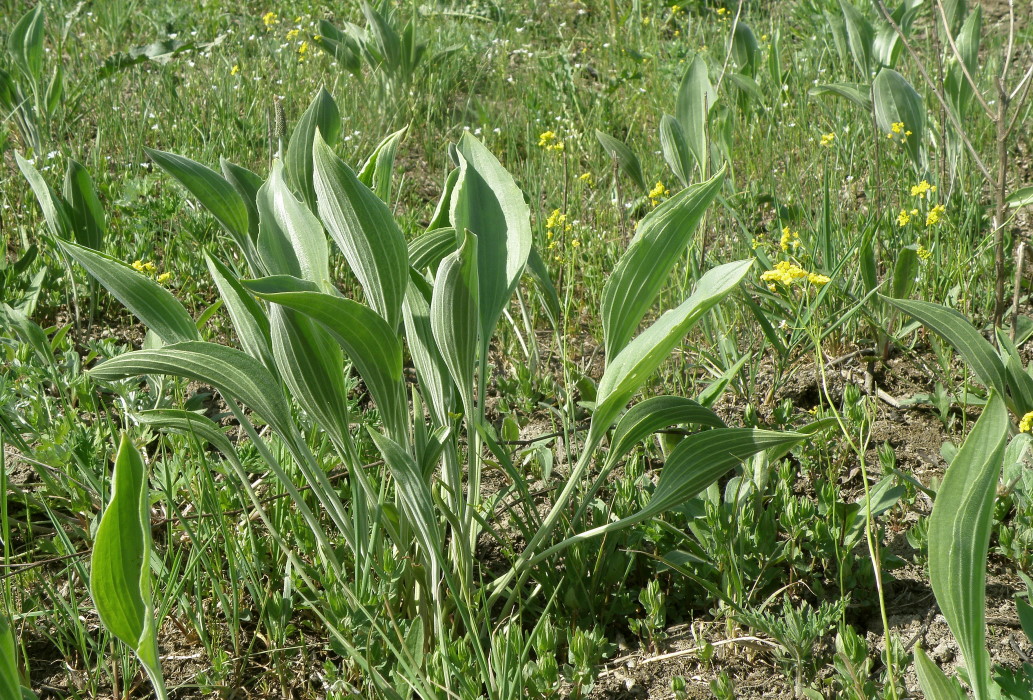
(659, 242)
(959, 537)
(120, 571)
(323, 116)
(956, 330)
(363, 228)
(10, 678)
(488, 204)
(148, 300)
(646, 417)
(85, 209)
(627, 161)
(628, 371)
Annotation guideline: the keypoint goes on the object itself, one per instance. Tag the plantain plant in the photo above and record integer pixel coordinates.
(404, 536)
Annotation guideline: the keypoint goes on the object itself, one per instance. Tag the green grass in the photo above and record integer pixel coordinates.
(248, 598)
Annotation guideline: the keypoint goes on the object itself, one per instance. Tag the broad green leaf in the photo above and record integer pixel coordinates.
(696, 97)
(145, 298)
(454, 317)
(312, 366)
(1025, 613)
(887, 47)
(626, 159)
(247, 184)
(955, 84)
(120, 567)
(860, 36)
(55, 210)
(339, 45)
(934, 683)
(321, 115)
(628, 371)
(488, 204)
(956, 330)
(214, 193)
(440, 219)
(249, 320)
(955, 12)
(188, 423)
(85, 209)
(290, 239)
(646, 417)
(905, 271)
(1020, 198)
(858, 94)
(429, 249)
(25, 43)
(959, 537)
(746, 86)
(378, 169)
(363, 228)
(233, 373)
(745, 49)
(373, 346)
(414, 493)
(434, 379)
(896, 101)
(676, 149)
(659, 242)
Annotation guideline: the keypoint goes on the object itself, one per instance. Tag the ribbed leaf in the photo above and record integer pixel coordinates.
(212, 190)
(646, 417)
(363, 228)
(249, 320)
(232, 372)
(55, 210)
(628, 371)
(431, 248)
(897, 101)
(291, 240)
(934, 683)
(379, 167)
(696, 97)
(120, 567)
(860, 36)
(659, 242)
(454, 317)
(959, 537)
(745, 49)
(955, 84)
(322, 115)
(86, 211)
(247, 184)
(148, 300)
(25, 43)
(434, 378)
(488, 204)
(858, 94)
(440, 218)
(956, 330)
(188, 423)
(676, 149)
(626, 159)
(905, 270)
(373, 347)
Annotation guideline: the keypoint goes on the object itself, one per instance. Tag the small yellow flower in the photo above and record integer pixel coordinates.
(293, 34)
(549, 141)
(789, 239)
(1026, 424)
(922, 188)
(815, 278)
(827, 139)
(556, 220)
(576, 243)
(302, 50)
(903, 218)
(138, 265)
(269, 19)
(235, 69)
(923, 253)
(935, 215)
(587, 178)
(658, 193)
(164, 277)
(897, 127)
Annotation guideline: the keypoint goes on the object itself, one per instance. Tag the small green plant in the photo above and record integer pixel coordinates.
(654, 620)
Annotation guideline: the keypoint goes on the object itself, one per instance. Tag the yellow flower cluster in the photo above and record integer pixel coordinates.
(557, 220)
(269, 19)
(827, 139)
(898, 128)
(149, 268)
(922, 188)
(935, 215)
(789, 239)
(587, 178)
(302, 50)
(788, 274)
(293, 34)
(549, 141)
(1026, 424)
(235, 69)
(658, 193)
(903, 218)
(923, 253)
